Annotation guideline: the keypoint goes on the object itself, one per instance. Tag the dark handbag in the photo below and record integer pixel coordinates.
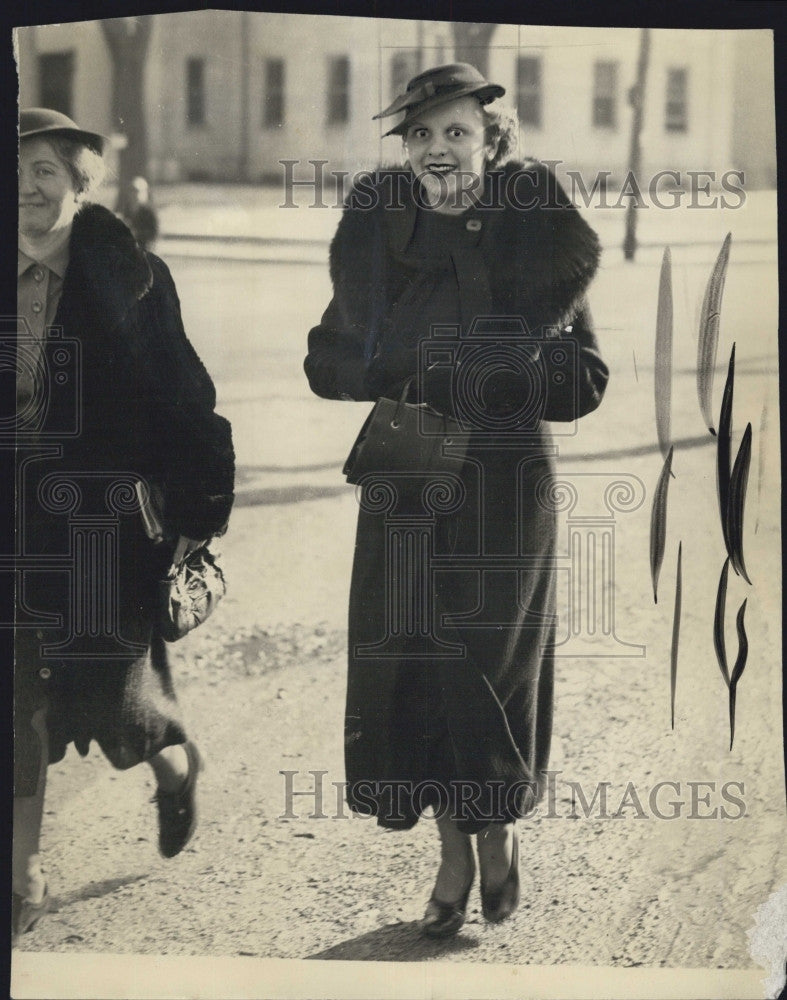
(188, 595)
(400, 437)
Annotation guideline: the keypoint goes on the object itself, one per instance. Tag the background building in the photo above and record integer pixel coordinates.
(228, 94)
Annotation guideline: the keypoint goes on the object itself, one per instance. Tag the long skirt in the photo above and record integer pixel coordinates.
(451, 634)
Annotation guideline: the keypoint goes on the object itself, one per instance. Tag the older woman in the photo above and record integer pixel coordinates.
(110, 394)
(460, 280)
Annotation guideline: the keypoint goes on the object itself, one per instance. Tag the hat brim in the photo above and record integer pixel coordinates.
(488, 92)
(92, 140)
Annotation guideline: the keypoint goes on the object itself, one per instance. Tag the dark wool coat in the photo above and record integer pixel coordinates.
(453, 706)
(125, 399)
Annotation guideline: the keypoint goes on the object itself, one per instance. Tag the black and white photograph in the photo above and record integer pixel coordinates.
(396, 558)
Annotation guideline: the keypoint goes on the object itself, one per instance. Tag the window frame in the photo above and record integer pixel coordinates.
(605, 94)
(676, 120)
(530, 92)
(274, 93)
(196, 95)
(337, 92)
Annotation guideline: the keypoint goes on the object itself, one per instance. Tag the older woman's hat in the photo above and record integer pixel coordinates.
(439, 86)
(45, 121)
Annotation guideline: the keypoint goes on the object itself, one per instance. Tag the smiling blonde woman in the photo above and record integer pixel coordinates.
(454, 710)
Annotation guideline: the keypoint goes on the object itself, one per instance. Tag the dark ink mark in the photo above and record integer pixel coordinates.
(709, 332)
(658, 524)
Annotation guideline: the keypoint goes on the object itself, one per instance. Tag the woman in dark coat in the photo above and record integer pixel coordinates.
(113, 404)
(460, 280)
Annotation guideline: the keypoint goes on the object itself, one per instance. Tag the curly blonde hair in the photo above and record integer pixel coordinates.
(502, 127)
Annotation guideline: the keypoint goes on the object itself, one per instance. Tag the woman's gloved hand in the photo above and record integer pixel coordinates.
(388, 372)
(185, 546)
(438, 390)
(498, 389)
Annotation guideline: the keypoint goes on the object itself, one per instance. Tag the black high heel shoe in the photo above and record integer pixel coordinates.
(500, 903)
(443, 920)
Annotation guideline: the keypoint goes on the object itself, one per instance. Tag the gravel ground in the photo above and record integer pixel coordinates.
(262, 687)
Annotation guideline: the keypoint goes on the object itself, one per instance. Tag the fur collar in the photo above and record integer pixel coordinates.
(106, 262)
(540, 253)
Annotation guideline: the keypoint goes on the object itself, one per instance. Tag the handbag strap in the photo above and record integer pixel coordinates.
(402, 401)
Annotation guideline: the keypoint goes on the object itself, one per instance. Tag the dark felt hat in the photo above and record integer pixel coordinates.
(45, 121)
(439, 86)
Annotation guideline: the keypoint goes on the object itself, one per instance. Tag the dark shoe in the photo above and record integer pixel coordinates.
(177, 811)
(25, 915)
(443, 920)
(500, 903)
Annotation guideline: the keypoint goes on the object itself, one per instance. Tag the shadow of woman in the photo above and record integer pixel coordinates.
(95, 890)
(400, 942)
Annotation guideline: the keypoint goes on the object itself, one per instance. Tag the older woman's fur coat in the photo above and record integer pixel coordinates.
(127, 399)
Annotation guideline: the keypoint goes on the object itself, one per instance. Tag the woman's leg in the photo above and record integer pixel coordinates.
(27, 878)
(445, 911)
(457, 864)
(171, 768)
(498, 855)
(176, 768)
(495, 853)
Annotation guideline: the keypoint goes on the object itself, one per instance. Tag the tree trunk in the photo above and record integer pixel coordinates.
(128, 40)
(637, 100)
(471, 44)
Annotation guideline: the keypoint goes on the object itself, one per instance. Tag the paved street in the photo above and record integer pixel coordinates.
(263, 683)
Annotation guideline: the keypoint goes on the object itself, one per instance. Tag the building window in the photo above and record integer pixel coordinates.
(273, 97)
(56, 81)
(404, 66)
(529, 89)
(676, 116)
(195, 91)
(338, 90)
(605, 94)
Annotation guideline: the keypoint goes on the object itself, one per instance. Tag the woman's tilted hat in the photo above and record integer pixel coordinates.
(439, 86)
(45, 121)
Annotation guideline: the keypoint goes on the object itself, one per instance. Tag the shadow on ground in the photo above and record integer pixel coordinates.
(95, 890)
(400, 942)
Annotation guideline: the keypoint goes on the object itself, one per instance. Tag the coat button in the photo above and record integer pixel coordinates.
(38, 274)
(37, 307)
(473, 225)
(45, 673)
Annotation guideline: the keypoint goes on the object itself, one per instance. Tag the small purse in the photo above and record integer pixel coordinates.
(400, 437)
(194, 585)
(188, 595)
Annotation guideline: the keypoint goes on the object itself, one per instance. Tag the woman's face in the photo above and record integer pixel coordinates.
(47, 196)
(448, 151)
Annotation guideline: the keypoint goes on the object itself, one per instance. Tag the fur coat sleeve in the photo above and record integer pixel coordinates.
(148, 404)
(194, 453)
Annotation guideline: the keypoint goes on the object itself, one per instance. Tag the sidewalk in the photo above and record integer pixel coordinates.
(250, 222)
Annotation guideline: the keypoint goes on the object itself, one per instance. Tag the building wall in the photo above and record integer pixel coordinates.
(567, 131)
(729, 96)
(92, 92)
(179, 149)
(754, 112)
